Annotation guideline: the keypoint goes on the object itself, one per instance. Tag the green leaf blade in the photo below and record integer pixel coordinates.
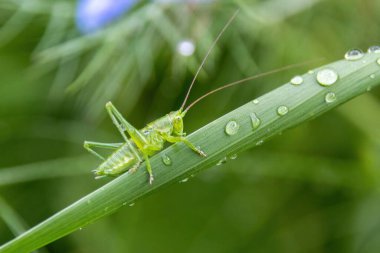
(304, 102)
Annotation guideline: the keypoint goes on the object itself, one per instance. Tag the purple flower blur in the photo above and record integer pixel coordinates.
(93, 15)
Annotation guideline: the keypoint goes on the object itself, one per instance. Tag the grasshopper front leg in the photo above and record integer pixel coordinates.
(174, 139)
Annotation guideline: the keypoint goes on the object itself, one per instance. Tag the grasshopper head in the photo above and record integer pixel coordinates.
(177, 121)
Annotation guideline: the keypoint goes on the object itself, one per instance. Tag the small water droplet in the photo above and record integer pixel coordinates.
(374, 49)
(232, 127)
(282, 110)
(184, 180)
(255, 120)
(255, 101)
(378, 61)
(80, 229)
(124, 203)
(297, 80)
(327, 77)
(132, 204)
(369, 88)
(221, 161)
(233, 157)
(354, 54)
(372, 76)
(89, 201)
(260, 142)
(311, 71)
(166, 160)
(330, 97)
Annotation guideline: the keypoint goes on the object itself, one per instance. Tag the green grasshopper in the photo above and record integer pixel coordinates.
(128, 156)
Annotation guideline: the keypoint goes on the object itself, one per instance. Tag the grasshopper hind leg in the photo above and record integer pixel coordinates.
(89, 145)
(123, 125)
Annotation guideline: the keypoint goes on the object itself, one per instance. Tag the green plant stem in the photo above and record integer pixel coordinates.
(304, 102)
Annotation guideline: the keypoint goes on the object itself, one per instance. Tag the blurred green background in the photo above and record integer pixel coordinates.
(315, 188)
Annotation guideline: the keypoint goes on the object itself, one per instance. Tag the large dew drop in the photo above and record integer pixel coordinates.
(282, 110)
(354, 54)
(166, 160)
(330, 97)
(327, 77)
(232, 127)
(374, 49)
(297, 80)
(255, 120)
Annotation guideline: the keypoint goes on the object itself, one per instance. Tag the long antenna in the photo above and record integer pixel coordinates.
(207, 54)
(248, 79)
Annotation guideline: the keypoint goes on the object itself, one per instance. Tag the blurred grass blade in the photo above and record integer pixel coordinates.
(11, 218)
(15, 24)
(42, 170)
(278, 110)
(56, 28)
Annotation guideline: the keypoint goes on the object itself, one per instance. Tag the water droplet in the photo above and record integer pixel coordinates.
(330, 97)
(354, 54)
(89, 201)
(282, 110)
(255, 101)
(233, 157)
(124, 203)
(260, 142)
(186, 47)
(327, 77)
(184, 180)
(132, 204)
(80, 229)
(311, 71)
(378, 61)
(372, 76)
(222, 161)
(369, 88)
(374, 49)
(255, 120)
(232, 127)
(166, 160)
(297, 80)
